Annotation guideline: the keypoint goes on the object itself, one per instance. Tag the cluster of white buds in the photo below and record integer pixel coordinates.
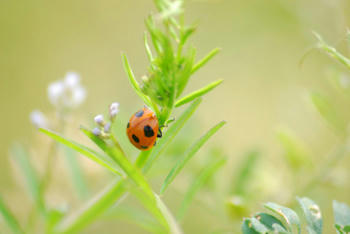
(67, 93)
(103, 128)
(63, 94)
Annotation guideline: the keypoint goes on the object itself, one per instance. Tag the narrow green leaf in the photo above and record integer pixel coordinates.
(78, 180)
(247, 227)
(206, 59)
(169, 135)
(289, 216)
(89, 153)
(270, 221)
(327, 111)
(245, 172)
(21, 157)
(133, 172)
(203, 177)
(134, 216)
(296, 153)
(189, 154)
(341, 213)
(9, 218)
(92, 209)
(134, 82)
(148, 49)
(331, 51)
(198, 93)
(174, 227)
(312, 214)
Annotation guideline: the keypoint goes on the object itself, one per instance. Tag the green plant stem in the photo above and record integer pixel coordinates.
(76, 222)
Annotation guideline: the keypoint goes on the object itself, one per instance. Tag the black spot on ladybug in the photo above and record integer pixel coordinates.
(144, 147)
(128, 125)
(148, 131)
(136, 139)
(139, 113)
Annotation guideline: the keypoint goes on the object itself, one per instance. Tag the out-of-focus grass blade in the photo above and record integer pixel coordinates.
(148, 49)
(341, 215)
(77, 176)
(189, 154)
(21, 157)
(331, 51)
(245, 172)
(134, 82)
(92, 209)
(312, 214)
(134, 216)
(91, 154)
(203, 177)
(204, 60)
(287, 214)
(133, 172)
(327, 111)
(169, 135)
(174, 227)
(296, 153)
(198, 93)
(9, 218)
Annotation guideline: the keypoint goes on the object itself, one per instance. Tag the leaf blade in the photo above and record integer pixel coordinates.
(89, 153)
(189, 154)
(9, 218)
(171, 133)
(206, 59)
(312, 213)
(204, 176)
(198, 93)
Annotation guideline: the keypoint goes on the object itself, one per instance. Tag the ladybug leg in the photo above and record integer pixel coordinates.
(159, 134)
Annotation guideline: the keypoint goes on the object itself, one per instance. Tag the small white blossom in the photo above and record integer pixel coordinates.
(99, 120)
(72, 79)
(38, 119)
(55, 92)
(67, 93)
(96, 132)
(113, 109)
(107, 127)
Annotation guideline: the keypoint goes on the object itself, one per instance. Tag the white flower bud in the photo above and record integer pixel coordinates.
(38, 119)
(113, 109)
(96, 132)
(72, 79)
(107, 127)
(78, 95)
(55, 92)
(99, 120)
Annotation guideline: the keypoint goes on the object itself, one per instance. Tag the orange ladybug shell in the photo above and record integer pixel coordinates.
(142, 129)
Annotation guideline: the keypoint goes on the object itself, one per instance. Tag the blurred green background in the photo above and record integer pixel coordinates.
(265, 87)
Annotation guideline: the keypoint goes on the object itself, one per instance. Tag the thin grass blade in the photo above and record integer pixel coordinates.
(206, 59)
(198, 93)
(9, 218)
(21, 157)
(89, 153)
(174, 227)
(133, 173)
(170, 134)
(78, 179)
(133, 81)
(189, 154)
(203, 177)
(92, 209)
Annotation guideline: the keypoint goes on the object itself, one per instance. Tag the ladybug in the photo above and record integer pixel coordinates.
(143, 129)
